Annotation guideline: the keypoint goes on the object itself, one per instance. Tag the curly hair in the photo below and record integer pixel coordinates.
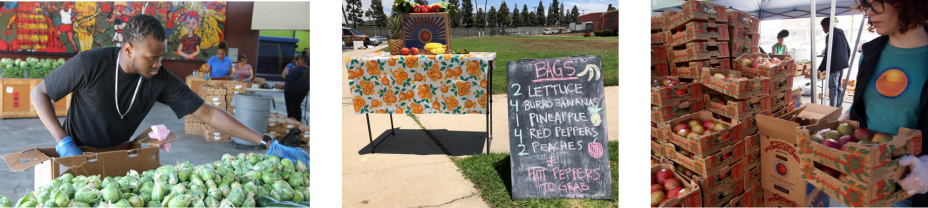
(911, 14)
(143, 26)
(783, 34)
(223, 45)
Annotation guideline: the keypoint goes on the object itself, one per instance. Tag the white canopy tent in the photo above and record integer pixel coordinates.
(788, 9)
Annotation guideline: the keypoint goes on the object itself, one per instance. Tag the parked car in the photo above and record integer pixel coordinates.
(377, 40)
(349, 35)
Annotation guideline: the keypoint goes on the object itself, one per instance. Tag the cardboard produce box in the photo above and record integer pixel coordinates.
(663, 114)
(738, 89)
(211, 90)
(692, 70)
(110, 161)
(736, 109)
(752, 175)
(783, 126)
(668, 96)
(782, 111)
(696, 10)
(656, 24)
(866, 163)
(751, 143)
(738, 19)
(422, 28)
(214, 135)
(855, 193)
(781, 172)
(691, 199)
(781, 98)
(710, 165)
(659, 53)
(744, 36)
(776, 71)
(661, 69)
(218, 101)
(658, 132)
(753, 196)
(695, 51)
(696, 31)
(724, 191)
(658, 38)
(810, 197)
(748, 125)
(657, 149)
(704, 146)
(193, 128)
(740, 49)
(782, 83)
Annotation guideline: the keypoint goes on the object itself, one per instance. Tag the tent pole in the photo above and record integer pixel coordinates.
(853, 57)
(812, 37)
(830, 46)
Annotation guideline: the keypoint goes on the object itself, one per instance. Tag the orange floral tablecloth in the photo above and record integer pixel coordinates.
(420, 84)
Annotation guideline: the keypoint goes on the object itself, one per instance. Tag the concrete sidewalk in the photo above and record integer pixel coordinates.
(410, 169)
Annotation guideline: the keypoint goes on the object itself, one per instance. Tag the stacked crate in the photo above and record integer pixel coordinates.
(696, 37)
(232, 87)
(192, 125)
(659, 59)
(215, 96)
(744, 33)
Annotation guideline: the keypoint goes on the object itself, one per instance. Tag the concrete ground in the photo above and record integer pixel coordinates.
(20, 134)
(410, 169)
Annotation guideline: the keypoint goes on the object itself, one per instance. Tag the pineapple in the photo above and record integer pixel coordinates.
(595, 118)
(396, 35)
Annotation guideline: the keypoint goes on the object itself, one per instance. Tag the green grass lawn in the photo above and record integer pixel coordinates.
(512, 48)
(491, 176)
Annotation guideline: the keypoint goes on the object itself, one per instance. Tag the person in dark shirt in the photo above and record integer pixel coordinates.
(296, 87)
(840, 56)
(99, 117)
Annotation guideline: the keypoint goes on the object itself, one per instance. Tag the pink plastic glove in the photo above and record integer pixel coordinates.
(915, 182)
(161, 133)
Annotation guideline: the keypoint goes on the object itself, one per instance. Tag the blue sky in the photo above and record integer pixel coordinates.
(588, 5)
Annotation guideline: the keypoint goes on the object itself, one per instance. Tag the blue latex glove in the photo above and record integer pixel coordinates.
(67, 148)
(246, 80)
(292, 153)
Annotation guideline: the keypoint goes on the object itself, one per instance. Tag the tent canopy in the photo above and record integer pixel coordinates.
(783, 9)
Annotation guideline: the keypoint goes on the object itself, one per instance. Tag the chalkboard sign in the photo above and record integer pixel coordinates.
(557, 130)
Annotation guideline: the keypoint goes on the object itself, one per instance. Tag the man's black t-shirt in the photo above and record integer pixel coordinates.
(92, 118)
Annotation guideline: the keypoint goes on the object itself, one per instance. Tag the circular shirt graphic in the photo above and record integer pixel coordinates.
(425, 36)
(892, 83)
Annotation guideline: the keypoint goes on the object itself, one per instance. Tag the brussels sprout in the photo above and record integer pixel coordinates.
(61, 199)
(157, 193)
(205, 173)
(306, 194)
(254, 158)
(199, 203)
(226, 204)
(179, 188)
(111, 193)
(249, 200)
(224, 187)
(274, 195)
(181, 200)
(153, 204)
(122, 203)
(296, 179)
(134, 200)
(167, 199)
(211, 202)
(5, 202)
(301, 166)
(78, 204)
(269, 178)
(67, 189)
(29, 204)
(42, 195)
(284, 190)
(297, 197)
(87, 195)
(250, 187)
(61, 60)
(236, 196)
(287, 165)
(196, 180)
(270, 166)
(215, 193)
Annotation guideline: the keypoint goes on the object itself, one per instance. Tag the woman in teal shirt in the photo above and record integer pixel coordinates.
(779, 48)
(219, 65)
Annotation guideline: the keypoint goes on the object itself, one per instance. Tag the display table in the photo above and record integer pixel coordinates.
(421, 84)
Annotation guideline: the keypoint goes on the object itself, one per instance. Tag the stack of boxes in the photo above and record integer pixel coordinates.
(696, 37)
(215, 96)
(744, 33)
(278, 125)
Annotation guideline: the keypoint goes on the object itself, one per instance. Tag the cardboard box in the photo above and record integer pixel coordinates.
(668, 96)
(737, 109)
(110, 161)
(691, 199)
(696, 10)
(773, 72)
(752, 143)
(422, 28)
(194, 83)
(856, 193)
(752, 175)
(214, 135)
(753, 195)
(711, 165)
(787, 126)
(745, 36)
(692, 70)
(780, 168)
(657, 149)
(738, 89)
(659, 53)
(695, 51)
(726, 189)
(783, 83)
(661, 69)
(193, 128)
(696, 31)
(811, 197)
(256, 83)
(738, 19)
(740, 49)
(782, 111)
(658, 38)
(781, 98)
(658, 133)
(748, 125)
(656, 24)
(704, 146)
(218, 101)
(662, 114)
(211, 90)
(866, 163)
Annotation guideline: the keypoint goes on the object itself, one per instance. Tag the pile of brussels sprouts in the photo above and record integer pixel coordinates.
(233, 181)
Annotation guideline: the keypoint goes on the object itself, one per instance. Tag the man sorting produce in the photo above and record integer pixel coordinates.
(114, 88)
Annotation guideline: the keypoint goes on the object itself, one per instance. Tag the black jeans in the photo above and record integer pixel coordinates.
(834, 85)
(294, 97)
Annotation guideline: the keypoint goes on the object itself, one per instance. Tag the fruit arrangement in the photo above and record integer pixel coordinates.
(434, 48)
(242, 181)
(756, 63)
(664, 186)
(408, 51)
(462, 51)
(695, 128)
(38, 68)
(729, 77)
(665, 83)
(404, 7)
(845, 133)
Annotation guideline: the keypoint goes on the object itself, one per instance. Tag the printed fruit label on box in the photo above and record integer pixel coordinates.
(658, 38)
(659, 53)
(710, 165)
(736, 109)
(673, 93)
(661, 69)
(744, 36)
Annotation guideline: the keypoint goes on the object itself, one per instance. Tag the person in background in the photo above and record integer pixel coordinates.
(290, 66)
(839, 61)
(242, 69)
(779, 48)
(891, 82)
(296, 87)
(219, 65)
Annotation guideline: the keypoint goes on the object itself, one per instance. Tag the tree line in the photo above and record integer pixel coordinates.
(555, 15)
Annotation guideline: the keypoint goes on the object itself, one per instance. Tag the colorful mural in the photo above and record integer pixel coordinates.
(194, 29)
